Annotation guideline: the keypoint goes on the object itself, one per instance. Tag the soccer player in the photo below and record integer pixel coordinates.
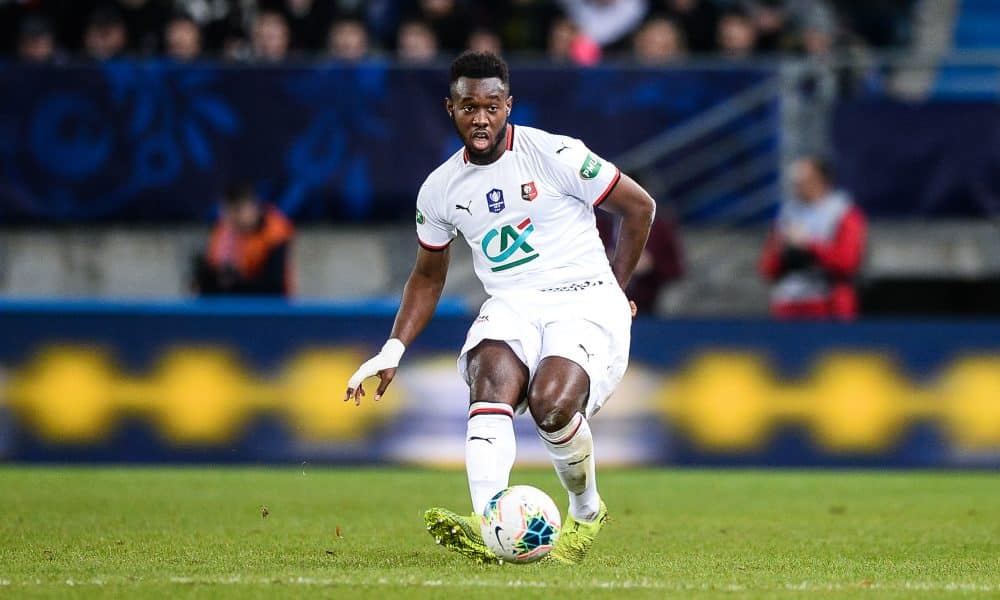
(553, 337)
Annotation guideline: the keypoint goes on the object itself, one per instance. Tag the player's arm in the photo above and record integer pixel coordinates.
(420, 298)
(636, 208)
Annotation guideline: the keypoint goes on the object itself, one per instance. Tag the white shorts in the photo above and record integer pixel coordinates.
(589, 326)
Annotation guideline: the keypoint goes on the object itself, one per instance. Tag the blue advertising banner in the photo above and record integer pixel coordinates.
(263, 382)
(154, 141)
(933, 159)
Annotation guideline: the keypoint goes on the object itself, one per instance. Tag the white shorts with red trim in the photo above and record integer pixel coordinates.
(588, 323)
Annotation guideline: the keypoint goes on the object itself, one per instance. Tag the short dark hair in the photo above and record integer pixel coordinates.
(735, 12)
(238, 192)
(106, 16)
(823, 166)
(479, 65)
(181, 16)
(34, 27)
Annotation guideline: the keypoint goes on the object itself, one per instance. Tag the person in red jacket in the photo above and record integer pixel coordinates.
(815, 249)
(249, 252)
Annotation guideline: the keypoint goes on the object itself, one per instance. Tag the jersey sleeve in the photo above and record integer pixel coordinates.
(580, 172)
(433, 232)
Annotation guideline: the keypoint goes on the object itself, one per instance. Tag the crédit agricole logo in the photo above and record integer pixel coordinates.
(507, 243)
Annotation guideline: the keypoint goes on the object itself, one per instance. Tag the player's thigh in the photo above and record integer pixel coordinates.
(496, 374)
(558, 391)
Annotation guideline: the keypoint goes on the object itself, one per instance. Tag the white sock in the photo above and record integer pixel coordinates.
(489, 450)
(572, 452)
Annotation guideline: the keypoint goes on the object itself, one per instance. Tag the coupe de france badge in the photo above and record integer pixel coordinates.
(528, 191)
(494, 200)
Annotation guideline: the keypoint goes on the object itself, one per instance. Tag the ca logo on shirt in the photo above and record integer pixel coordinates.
(513, 244)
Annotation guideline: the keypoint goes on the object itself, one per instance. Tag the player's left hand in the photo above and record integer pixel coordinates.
(635, 309)
(382, 364)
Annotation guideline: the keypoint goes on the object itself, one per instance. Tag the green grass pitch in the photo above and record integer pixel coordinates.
(201, 532)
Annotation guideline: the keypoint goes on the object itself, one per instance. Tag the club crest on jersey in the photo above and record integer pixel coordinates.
(494, 200)
(528, 191)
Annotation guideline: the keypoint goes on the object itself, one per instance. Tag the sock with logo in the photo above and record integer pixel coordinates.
(572, 452)
(490, 448)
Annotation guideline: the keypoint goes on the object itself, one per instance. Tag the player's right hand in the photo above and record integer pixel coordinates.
(382, 364)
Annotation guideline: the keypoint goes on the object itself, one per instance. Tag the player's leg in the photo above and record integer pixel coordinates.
(581, 363)
(498, 380)
(557, 399)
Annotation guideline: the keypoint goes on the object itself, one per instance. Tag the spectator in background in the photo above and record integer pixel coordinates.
(737, 36)
(308, 23)
(778, 21)
(817, 40)
(249, 251)
(485, 40)
(223, 25)
(183, 38)
(772, 21)
(270, 37)
(660, 264)
(144, 21)
(698, 19)
(523, 25)
(35, 41)
(348, 41)
(815, 249)
(416, 43)
(105, 37)
(448, 23)
(561, 36)
(658, 42)
(605, 21)
(567, 44)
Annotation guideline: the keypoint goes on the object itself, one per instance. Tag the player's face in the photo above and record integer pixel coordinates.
(244, 216)
(479, 110)
(807, 181)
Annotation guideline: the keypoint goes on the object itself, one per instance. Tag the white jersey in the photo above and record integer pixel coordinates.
(528, 216)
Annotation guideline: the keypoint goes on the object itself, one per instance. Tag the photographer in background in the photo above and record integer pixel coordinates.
(249, 252)
(815, 249)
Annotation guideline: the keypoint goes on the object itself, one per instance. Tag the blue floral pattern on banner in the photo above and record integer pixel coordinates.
(156, 141)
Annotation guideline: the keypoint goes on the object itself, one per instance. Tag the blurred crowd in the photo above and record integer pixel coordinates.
(585, 32)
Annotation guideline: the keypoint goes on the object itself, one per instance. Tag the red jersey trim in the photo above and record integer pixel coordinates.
(432, 247)
(611, 186)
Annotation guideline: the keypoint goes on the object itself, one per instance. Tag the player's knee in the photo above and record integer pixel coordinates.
(553, 418)
(553, 409)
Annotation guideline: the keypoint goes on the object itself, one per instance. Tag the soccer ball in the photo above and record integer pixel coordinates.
(520, 524)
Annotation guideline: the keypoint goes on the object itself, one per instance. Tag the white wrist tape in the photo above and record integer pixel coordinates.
(387, 358)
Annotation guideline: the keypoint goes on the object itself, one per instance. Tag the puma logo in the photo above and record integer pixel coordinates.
(487, 440)
(466, 208)
(564, 147)
(589, 355)
(576, 462)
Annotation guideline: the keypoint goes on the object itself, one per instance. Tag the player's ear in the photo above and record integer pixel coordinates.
(510, 103)
(449, 107)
